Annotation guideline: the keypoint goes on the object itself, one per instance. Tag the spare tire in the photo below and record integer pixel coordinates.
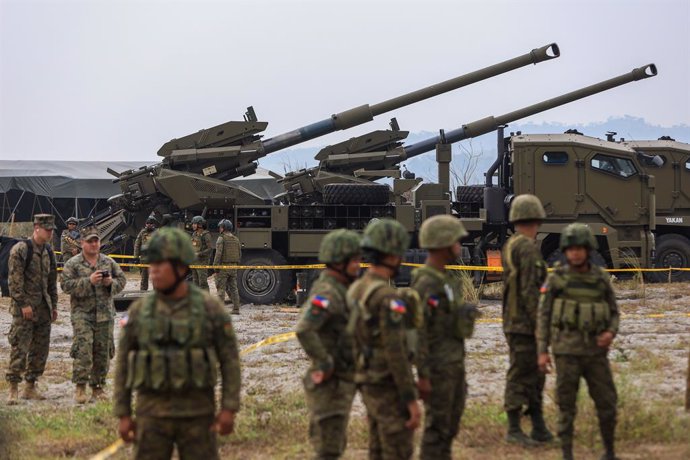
(356, 194)
(470, 193)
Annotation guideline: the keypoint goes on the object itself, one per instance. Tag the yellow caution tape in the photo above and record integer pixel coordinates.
(269, 341)
(109, 451)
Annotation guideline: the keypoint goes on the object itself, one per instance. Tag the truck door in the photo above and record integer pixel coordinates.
(615, 187)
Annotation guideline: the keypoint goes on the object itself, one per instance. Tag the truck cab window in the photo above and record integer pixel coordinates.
(621, 167)
(555, 158)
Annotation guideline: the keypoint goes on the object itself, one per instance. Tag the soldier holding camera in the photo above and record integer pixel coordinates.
(92, 279)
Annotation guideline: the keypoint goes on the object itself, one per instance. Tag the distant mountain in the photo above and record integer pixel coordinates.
(484, 147)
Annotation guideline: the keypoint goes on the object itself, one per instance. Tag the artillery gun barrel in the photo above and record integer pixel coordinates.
(489, 124)
(365, 113)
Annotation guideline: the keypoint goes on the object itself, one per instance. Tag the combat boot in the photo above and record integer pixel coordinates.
(97, 394)
(236, 311)
(515, 434)
(13, 396)
(80, 394)
(31, 392)
(539, 431)
(567, 450)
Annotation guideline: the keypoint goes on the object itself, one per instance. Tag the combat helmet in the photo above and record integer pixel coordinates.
(339, 246)
(72, 220)
(199, 220)
(170, 244)
(386, 236)
(441, 231)
(577, 235)
(526, 207)
(226, 224)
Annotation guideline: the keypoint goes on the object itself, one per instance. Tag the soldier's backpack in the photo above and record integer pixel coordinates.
(6, 245)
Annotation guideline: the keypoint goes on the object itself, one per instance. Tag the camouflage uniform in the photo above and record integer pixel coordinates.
(169, 354)
(92, 315)
(142, 240)
(228, 252)
(201, 240)
(36, 287)
(574, 309)
(322, 332)
(69, 242)
(383, 368)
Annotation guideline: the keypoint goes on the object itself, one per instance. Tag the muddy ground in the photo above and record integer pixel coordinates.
(652, 345)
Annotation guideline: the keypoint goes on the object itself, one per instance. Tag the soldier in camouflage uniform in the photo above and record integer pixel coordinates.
(70, 243)
(142, 240)
(91, 279)
(201, 240)
(329, 383)
(173, 344)
(448, 321)
(33, 288)
(524, 271)
(228, 252)
(578, 317)
(383, 367)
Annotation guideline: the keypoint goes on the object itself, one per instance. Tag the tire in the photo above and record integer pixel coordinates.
(671, 251)
(595, 257)
(356, 194)
(263, 286)
(470, 193)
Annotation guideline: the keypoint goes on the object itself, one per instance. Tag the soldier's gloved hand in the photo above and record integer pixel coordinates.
(225, 422)
(604, 339)
(28, 313)
(127, 429)
(415, 416)
(424, 388)
(544, 362)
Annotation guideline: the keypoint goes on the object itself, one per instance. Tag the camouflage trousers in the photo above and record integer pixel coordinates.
(92, 349)
(200, 277)
(443, 411)
(156, 437)
(144, 284)
(596, 371)
(524, 382)
(389, 439)
(226, 281)
(329, 412)
(30, 344)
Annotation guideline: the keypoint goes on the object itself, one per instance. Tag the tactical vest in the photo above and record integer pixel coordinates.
(231, 249)
(579, 302)
(452, 317)
(173, 354)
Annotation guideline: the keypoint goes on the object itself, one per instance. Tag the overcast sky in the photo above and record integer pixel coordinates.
(116, 79)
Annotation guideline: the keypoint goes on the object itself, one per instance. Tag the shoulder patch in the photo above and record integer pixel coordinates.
(433, 301)
(229, 331)
(544, 288)
(398, 306)
(124, 320)
(320, 302)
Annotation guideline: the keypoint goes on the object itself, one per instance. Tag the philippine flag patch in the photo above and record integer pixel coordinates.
(543, 289)
(433, 301)
(320, 302)
(398, 307)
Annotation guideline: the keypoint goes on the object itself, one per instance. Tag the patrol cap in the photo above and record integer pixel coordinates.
(72, 220)
(46, 221)
(89, 232)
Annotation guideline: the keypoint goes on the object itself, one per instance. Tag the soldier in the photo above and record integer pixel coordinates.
(33, 288)
(578, 317)
(447, 323)
(383, 368)
(201, 240)
(524, 271)
(228, 252)
(169, 352)
(70, 243)
(142, 240)
(329, 383)
(91, 279)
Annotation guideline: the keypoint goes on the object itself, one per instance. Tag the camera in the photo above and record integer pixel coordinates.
(105, 273)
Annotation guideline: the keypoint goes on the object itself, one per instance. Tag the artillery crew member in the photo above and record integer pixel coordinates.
(172, 345)
(142, 240)
(91, 279)
(228, 252)
(322, 331)
(383, 367)
(448, 321)
(524, 271)
(33, 288)
(70, 240)
(201, 240)
(578, 317)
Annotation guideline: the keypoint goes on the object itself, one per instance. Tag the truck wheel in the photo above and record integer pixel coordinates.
(356, 194)
(263, 286)
(595, 257)
(671, 251)
(470, 193)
